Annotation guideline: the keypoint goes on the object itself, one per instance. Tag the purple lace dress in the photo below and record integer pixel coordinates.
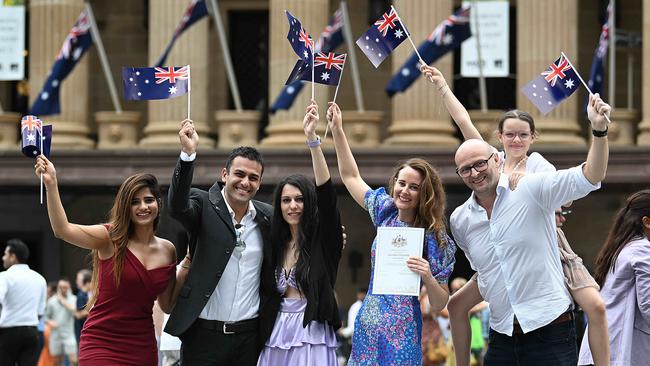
(292, 344)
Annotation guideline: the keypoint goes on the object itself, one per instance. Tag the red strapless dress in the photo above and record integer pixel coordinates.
(119, 328)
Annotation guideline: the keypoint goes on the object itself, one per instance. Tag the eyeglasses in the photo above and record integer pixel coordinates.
(479, 166)
(240, 244)
(522, 135)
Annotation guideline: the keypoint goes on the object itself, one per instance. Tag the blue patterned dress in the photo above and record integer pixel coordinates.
(388, 329)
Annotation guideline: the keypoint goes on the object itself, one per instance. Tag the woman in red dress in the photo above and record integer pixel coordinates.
(131, 268)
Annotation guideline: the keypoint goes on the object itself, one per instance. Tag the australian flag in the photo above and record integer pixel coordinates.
(552, 86)
(330, 39)
(193, 13)
(147, 83)
(328, 68)
(597, 73)
(300, 40)
(383, 37)
(448, 35)
(74, 46)
(32, 130)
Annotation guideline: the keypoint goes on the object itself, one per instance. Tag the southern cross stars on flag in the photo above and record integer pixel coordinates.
(449, 34)
(552, 86)
(383, 37)
(299, 39)
(145, 83)
(75, 44)
(31, 129)
(328, 68)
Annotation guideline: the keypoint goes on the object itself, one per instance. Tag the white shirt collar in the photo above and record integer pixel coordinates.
(251, 208)
(18, 267)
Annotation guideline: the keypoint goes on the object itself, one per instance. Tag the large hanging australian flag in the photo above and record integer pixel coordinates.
(448, 35)
(194, 12)
(552, 86)
(146, 83)
(74, 46)
(383, 37)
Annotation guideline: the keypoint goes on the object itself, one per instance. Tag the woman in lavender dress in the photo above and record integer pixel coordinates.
(307, 241)
(623, 273)
(388, 328)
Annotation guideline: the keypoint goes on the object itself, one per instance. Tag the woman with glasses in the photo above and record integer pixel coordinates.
(623, 271)
(131, 268)
(516, 132)
(307, 241)
(388, 328)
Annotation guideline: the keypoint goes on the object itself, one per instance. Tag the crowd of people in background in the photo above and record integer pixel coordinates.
(256, 286)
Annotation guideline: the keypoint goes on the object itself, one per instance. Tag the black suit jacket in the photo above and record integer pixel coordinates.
(212, 240)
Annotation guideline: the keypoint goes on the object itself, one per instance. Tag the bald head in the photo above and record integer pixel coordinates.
(471, 148)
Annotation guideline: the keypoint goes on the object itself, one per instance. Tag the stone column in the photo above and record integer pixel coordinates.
(50, 21)
(285, 127)
(419, 116)
(191, 48)
(644, 126)
(8, 130)
(539, 42)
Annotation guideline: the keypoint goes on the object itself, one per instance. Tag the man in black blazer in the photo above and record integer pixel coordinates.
(230, 281)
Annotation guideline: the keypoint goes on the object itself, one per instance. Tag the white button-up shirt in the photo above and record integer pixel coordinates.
(237, 295)
(22, 296)
(515, 252)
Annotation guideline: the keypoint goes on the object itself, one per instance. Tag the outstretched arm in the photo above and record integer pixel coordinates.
(348, 168)
(309, 123)
(596, 166)
(453, 105)
(84, 236)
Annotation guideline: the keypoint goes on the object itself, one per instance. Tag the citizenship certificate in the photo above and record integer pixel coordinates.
(394, 246)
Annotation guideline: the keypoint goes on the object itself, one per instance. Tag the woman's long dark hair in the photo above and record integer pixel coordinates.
(627, 226)
(281, 233)
(121, 226)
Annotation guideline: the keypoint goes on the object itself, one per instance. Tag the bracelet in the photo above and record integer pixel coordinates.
(600, 133)
(315, 143)
(443, 93)
(186, 267)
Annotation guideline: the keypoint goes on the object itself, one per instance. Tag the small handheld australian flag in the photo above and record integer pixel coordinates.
(552, 86)
(32, 131)
(383, 37)
(146, 83)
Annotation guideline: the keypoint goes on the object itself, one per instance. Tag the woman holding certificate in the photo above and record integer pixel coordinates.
(307, 240)
(388, 329)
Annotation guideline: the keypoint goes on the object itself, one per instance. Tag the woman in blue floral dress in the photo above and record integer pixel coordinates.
(388, 329)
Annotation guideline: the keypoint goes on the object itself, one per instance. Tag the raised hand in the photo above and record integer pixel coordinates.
(434, 76)
(514, 179)
(188, 136)
(334, 116)
(597, 109)
(45, 167)
(310, 121)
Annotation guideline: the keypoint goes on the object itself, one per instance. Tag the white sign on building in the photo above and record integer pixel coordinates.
(494, 23)
(12, 42)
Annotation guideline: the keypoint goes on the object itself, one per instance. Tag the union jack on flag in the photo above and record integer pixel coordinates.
(441, 35)
(330, 60)
(194, 12)
(80, 28)
(171, 74)
(557, 70)
(328, 68)
(146, 83)
(387, 22)
(31, 123)
(546, 92)
(332, 35)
